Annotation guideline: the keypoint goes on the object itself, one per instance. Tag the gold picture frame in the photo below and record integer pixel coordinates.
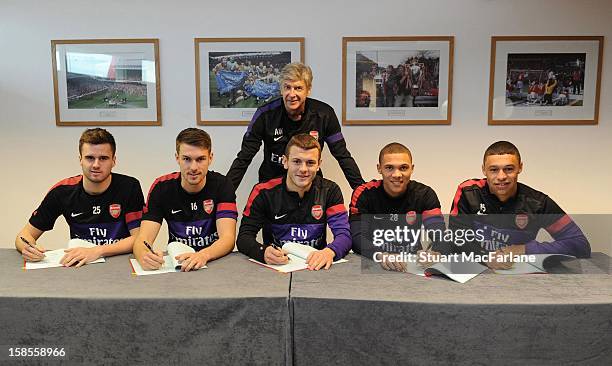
(399, 80)
(234, 76)
(106, 82)
(545, 80)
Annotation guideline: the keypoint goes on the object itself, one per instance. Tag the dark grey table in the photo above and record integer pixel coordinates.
(234, 312)
(350, 316)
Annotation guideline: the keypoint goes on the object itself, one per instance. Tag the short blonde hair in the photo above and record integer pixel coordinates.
(296, 71)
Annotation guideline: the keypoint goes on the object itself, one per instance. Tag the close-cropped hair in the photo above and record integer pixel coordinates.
(502, 148)
(394, 148)
(194, 137)
(303, 141)
(296, 71)
(97, 136)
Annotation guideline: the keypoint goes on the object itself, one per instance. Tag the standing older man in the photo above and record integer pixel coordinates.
(277, 121)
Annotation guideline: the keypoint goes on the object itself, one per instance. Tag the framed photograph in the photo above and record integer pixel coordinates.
(397, 80)
(106, 82)
(545, 80)
(234, 76)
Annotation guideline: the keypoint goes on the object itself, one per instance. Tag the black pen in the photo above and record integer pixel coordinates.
(278, 248)
(148, 246)
(27, 242)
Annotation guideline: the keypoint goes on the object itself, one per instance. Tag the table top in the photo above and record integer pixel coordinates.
(349, 281)
(235, 277)
(232, 276)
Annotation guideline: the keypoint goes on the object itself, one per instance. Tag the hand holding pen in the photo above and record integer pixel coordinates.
(150, 259)
(30, 252)
(275, 255)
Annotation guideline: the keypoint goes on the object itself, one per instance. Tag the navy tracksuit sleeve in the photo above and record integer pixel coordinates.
(251, 142)
(357, 207)
(43, 218)
(568, 238)
(460, 220)
(337, 219)
(253, 220)
(434, 221)
(134, 207)
(337, 146)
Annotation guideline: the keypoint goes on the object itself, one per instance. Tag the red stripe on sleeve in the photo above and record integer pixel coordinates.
(255, 192)
(336, 209)
(559, 224)
(131, 216)
(433, 212)
(175, 175)
(359, 190)
(479, 182)
(227, 206)
(68, 182)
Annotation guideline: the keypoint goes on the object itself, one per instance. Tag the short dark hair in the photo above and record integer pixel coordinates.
(502, 148)
(194, 137)
(97, 136)
(394, 148)
(303, 141)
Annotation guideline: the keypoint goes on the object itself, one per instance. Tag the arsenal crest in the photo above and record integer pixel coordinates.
(521, 221)
(317, 211)
(208, 206)
(114, 210)
(411, 217)
(315, 134)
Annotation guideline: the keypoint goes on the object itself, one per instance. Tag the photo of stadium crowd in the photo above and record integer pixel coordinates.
(545, 79)
(104, 81)
(402, 78)
(245, 79)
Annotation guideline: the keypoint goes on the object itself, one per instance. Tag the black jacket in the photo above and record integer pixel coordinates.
(272, 125)
(285, 217)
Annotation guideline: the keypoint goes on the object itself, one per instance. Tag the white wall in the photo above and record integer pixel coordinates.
(570, 163)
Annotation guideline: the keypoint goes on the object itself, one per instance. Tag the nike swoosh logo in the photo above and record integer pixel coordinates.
(278, 138)
(177, 211)
(276, 217)
(379, 217)
(75, 215)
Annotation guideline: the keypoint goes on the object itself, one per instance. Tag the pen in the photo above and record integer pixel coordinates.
(148, 246)
(27, 242)
(278, 248)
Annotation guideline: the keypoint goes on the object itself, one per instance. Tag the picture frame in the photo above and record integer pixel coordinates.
(106, 82)
(545, 80)
(377, 66)
(234, 76)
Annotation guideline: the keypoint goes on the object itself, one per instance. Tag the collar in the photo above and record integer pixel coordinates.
(400, 197)
(304, 114)
(295, 195)
(190, 194)
(509, 202)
